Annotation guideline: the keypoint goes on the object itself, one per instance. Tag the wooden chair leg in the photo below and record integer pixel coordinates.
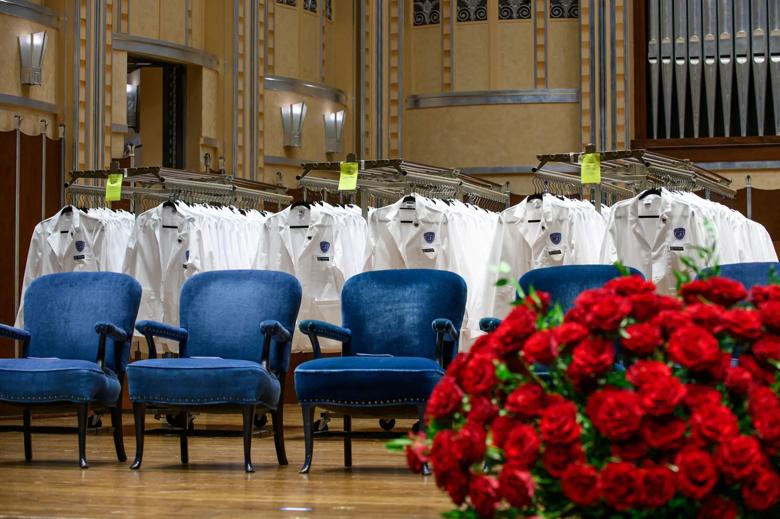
(139, 417)
(26, 416)
(308, 436)
(347, 440)
(119, 441)
(183, 440)
(81, 413)
(249, 425)
(278, 418)
(426, 470)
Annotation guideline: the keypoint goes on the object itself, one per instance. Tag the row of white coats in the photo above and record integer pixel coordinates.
(77, 241)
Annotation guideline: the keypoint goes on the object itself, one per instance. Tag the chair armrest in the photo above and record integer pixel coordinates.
(15, 334)
(445, 329)
(276, 330)
(106, 330)
(152, 329)
(315, 329)
(489, 324)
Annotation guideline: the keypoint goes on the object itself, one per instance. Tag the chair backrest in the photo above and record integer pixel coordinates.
(750, 274)
(566, 282)
(392, 311)
(61, 310)
(222, 311)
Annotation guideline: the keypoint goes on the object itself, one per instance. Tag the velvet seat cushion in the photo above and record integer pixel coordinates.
(47, 380)
(366, 381)
(202, 381)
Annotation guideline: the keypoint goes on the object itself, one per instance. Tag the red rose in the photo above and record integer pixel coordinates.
(441, 456)
(445, 399)
(722, 291)
(743, 324)
(516, 485)
(527, 400)
(592, 357)
(569, 333)
(767, 348)
(762, 492)
(416, 455)
(627, 285)
(717, 372)
(483, 345)
(671, 320)
(713, 423)
(661, 396)
(762, 399)
(767, 424)
(717, 507)
(514, 330)
(522, 446)
(761, 294)
(669, 303)
(484, 495)
(696, 474)
(556, 458)
(694, 348)
(709, 317)
(643, 338)
(538, 301)
(761, 374)
(620, 485)
(738, 458)
(469, 444)
(633, 449)
(607, 313)
(457, 486)
(658, 485)
(739, 381)
(483, 411)
(558, 425)
(480, 375)
(458, 364)
(644, 306)
(647, 371)
(665, 433)
(540, 348)
(770, 315)
(697, 395)
(580, 483)
(501, 428)
(615, 413)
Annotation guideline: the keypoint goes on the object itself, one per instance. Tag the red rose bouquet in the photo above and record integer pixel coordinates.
(633, 404)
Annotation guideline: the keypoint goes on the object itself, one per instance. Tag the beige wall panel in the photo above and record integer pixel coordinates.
(519, 183)
(472, 57)
(210, 110)
(331, 55)
(288, 175)
(145, 18)
(515, 60)
(287, 51)
(193, 122)
(173, 14)
(760, 179)
(10, 62)
(150, 98)
(118, 88)
(117, 145)
(196, 23)
(310, 47)
(30, 121)
(495, 135)
(341, 53)
(214, 30)
(563, 54)
(426, 59)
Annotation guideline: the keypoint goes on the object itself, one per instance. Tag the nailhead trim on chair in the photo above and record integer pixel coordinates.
(219, 399)
(13, 398)
(364, 402)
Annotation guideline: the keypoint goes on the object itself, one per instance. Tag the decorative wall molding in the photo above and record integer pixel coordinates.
(29, 104)
(514, 9)
(564, 9)
(472, 10)
(426, 12)
(164, 50)
(494, 97)
(307, 88)
(29, 11)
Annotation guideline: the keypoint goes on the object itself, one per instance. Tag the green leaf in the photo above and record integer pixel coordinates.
(502, 282)
(502, 373)
(398, 444)
(622, 269)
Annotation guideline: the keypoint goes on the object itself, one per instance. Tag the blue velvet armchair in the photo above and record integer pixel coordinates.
(750, 274)
(400, 330)
(75, 348)
(563, 283)
(234, 352)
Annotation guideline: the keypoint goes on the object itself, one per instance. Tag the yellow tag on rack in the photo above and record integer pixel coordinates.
(114, 187)
(349, 176)
(591, 168)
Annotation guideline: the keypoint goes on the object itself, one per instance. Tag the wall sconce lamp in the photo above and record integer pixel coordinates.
(334, 131)
(292, 124)
(31, 49)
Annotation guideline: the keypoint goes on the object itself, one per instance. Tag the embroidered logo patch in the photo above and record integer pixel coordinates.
(679, 233)
(324, 246)
(429, 237)
(80, 245)
(555, 237)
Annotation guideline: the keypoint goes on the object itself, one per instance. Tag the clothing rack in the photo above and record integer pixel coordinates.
(384, 181)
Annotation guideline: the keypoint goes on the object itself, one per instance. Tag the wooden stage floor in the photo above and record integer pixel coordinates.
(214, 483)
